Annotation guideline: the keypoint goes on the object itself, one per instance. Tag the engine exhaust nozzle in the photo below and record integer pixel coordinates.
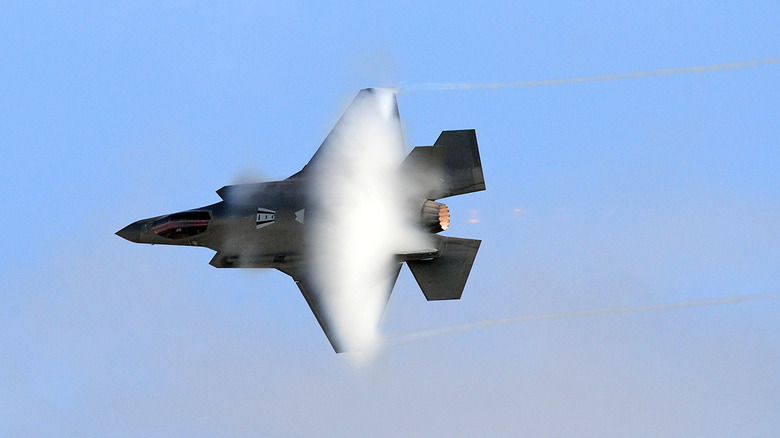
(435, 216)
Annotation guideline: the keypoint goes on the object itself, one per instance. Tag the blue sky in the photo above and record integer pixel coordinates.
(601, 195)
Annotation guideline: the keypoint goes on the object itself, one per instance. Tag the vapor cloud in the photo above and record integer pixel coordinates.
(357, 227)
(688, 304)
(598, 78)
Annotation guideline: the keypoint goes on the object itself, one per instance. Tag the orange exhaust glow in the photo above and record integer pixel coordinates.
(444, 217)
(435, 216)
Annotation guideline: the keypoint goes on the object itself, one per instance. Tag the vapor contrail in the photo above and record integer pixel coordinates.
(405, 339)
(598, 78)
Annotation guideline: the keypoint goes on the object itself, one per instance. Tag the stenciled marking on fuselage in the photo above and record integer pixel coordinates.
(265, 217)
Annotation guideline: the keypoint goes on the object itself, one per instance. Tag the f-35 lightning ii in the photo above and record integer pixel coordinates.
(268, 224)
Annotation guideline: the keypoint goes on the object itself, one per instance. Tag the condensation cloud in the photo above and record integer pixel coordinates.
(358, 225)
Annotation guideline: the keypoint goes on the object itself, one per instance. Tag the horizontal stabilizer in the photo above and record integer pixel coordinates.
(450, 167)
(444, 277)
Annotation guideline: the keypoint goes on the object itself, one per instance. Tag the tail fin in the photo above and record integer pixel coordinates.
(444, 277)
(450, 167)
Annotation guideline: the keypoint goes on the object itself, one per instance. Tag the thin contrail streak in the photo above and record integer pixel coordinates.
(598, 78)
(407, 338)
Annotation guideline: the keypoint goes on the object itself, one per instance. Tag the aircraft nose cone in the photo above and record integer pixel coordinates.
(131, 232)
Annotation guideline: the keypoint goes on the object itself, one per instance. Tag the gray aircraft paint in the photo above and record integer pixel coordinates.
(265, 225)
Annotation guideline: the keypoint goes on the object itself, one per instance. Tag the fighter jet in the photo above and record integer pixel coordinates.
(270, 224)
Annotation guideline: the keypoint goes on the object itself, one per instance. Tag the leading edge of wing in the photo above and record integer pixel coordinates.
(314, 299)
(381, 100)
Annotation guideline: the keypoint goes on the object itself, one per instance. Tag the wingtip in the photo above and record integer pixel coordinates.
(371, 90)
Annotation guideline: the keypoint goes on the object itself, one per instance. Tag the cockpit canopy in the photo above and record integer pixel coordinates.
(181, 225)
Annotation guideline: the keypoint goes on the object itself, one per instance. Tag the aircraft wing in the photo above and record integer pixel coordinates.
(366, 102)
(315, 300)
